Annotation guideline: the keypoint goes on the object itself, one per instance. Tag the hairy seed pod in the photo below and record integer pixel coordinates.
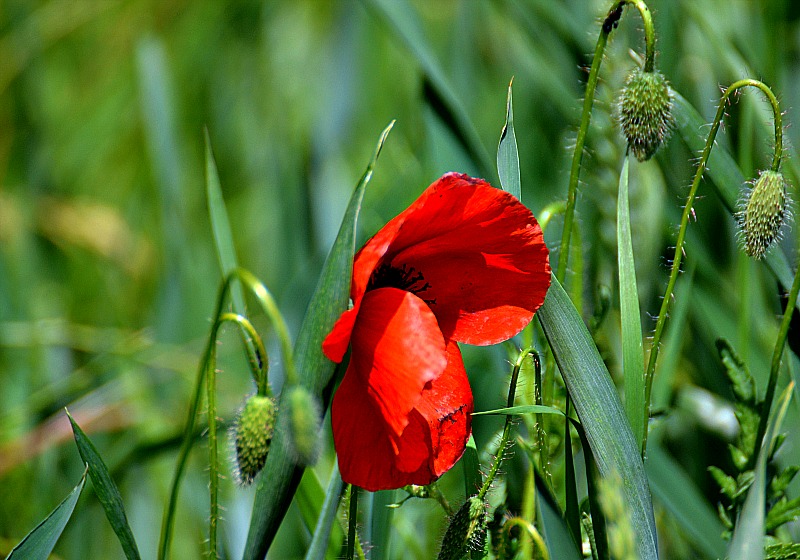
(304, 422)
(252, 436)
(763, 211)
(467, 531)
(645, 112)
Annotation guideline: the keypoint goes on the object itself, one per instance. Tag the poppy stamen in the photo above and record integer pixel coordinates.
(405, 278)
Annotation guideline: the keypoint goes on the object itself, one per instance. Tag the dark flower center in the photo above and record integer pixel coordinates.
(405, 278)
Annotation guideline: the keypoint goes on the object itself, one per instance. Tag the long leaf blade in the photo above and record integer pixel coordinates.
(39, 543)
(281, 474)
(106, 491)
(221, 226)
(595, 399)
(632, 353)
(507, 154)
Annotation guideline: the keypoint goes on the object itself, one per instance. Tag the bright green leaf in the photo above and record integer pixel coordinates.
(106, 491)
(597, 404)
(39, 543)
(507, 154)
(632, 353)
(520, 410)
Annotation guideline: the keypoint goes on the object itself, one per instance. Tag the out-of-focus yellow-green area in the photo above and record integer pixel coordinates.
(108, 273)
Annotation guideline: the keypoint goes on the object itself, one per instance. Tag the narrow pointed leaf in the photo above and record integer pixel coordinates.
(520, 410)
(221, 227)
(39, 543)
(560, 544)
(595, 399)
(747, 542)
(106, 491)
(473, 479)
(278, 480)
(632, 353)
(507, 154)
(328, 536)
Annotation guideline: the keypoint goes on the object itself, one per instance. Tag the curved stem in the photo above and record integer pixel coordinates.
(528, 527)
(780, 344)
(610, 22)
(688, 210)
(512, 391)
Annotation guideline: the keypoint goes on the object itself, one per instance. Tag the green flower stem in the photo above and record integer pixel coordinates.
(528, 527)
(688, 210)
(260, 374)
(353, 544)
(780, 344)
(272, 312)
(610, 22)
(211, 397)
(512, 391)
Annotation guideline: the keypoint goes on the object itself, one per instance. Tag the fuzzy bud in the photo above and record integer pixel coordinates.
(252, 436)
(645, 112)
(304, 422)
(467, 531)
(763, 211)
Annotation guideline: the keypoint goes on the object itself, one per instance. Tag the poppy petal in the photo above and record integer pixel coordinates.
(373, 457)
(335, 344)
(481, 254)
(397, 349)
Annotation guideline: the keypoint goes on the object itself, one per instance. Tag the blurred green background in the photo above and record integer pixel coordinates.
(108, 273)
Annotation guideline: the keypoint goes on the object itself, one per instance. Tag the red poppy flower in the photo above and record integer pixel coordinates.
(464, 263)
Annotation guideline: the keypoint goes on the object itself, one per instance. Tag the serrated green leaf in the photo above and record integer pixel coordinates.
(599, 409)
(632, 352)
(726, 178)
(520, 410)
(742, 382)
(281, 474)
(782, 512)
(780, 483)
(747, 542)
(783, 551)
(39, 543)
(106, 491)
(727, 484)
(507, 154)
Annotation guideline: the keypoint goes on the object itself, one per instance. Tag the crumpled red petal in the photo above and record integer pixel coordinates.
(371, 455)
(481, 251)
(397, 349)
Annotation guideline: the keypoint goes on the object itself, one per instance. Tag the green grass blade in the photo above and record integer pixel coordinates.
(507, 154)
(221, 227)
(399, 16)
(560, 544)
(520, 410)
(632, 353)
(381, 530)
(679, 495)
(39, 543)
(281, 473)
(328, 536)
(747, 542)
(726, 178)
(600, 411)
(471, 465)
(106, 491)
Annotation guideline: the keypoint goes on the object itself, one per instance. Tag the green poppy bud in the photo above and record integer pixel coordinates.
(252, 436)
(763, 211)
(645, 112)
(467, 531)
(304, 422)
